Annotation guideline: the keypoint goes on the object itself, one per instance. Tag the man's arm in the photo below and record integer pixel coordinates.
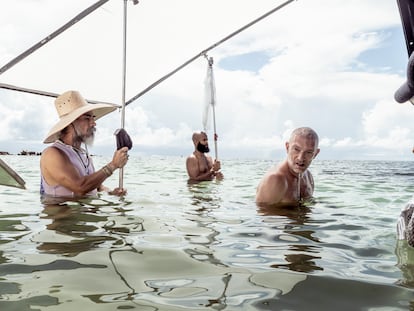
(57, 170)
(216, 166)
(271, 189)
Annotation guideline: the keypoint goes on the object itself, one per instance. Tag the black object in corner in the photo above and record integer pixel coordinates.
(406, 8)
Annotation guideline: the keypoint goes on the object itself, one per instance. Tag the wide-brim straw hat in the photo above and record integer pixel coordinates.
(70, 106)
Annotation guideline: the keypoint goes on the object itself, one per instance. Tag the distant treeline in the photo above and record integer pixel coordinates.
(23, 152)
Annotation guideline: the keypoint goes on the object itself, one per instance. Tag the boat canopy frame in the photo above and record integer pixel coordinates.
(406, 8)
(88, 11)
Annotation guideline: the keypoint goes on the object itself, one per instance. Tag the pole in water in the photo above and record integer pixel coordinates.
(122, 137)
(121, 170)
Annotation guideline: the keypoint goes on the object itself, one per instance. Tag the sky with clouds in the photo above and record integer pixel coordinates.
(329, 64)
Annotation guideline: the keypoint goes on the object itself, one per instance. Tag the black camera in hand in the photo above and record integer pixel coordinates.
(122, 139)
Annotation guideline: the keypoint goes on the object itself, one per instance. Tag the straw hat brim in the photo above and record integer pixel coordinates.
(99, 110)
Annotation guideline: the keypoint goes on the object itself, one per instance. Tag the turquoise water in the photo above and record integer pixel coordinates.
(172, 246)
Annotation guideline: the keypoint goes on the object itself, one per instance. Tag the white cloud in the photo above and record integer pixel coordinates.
(397, 134)
(315, 74)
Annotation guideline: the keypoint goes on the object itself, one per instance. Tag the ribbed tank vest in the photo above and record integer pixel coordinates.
(80, 160)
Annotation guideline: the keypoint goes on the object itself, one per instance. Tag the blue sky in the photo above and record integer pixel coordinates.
(250, 62)
(391, 52)
(332, 65)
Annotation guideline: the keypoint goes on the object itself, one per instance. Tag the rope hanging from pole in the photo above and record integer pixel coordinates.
(210, 100)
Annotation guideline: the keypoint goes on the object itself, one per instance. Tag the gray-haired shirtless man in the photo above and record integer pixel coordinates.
(290, 182)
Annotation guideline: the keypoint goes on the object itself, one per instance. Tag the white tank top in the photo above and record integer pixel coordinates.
(80, 160)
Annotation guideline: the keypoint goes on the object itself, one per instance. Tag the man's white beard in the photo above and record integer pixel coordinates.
(88, 138)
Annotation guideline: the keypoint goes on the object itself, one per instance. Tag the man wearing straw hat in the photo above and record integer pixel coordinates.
(66, 168)
(199, 166)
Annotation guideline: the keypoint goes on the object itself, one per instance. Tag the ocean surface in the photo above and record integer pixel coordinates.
(170, 245)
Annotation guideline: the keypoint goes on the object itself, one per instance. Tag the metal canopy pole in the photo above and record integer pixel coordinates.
(121, 170)
(206, 50)
(44, 93)
(42, 42)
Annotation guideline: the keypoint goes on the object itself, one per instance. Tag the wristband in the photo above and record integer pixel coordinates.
(107, 170)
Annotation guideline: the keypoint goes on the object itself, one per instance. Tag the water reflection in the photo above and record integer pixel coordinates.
(405, 262)
(298, 215)
(299, 263)
(205, 199)
(12, 229)
(297, 236)
(71, 231)
(31, 273)
(89, 231)
(204, 194)
(79, 226)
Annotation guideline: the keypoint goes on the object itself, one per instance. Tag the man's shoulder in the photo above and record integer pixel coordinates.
(276, 176)
(273, 187)
(191, 159)
(48, 150)
(199, 156)
(52, 152)
(278, 171)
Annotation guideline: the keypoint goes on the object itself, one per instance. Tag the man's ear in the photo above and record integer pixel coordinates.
(287, 146)
(316, 153)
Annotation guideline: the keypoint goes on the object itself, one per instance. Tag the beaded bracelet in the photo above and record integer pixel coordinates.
(107, 170)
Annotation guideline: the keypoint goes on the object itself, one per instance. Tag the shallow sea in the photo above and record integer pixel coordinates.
(172, 246)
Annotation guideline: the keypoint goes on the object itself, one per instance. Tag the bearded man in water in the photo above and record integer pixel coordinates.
(290, 182)
(67, 169)
(201, 167)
